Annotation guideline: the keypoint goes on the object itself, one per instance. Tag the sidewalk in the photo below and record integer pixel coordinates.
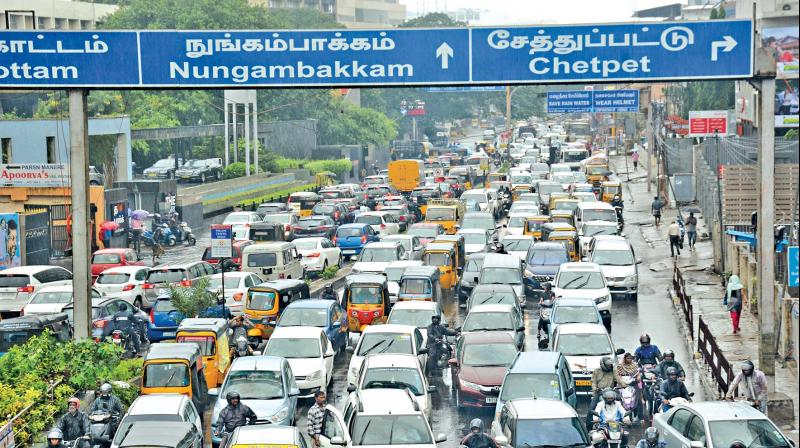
(703, 285)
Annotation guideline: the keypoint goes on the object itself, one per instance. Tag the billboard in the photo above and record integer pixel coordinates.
(786, 103)
(784, 46)
(708, 123)
(9, 241)
(35, 175)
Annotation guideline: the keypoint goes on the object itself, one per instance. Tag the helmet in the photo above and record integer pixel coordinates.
(738, 444)
(609, 396)
(436, 318)
(231, 395)
(105, 389)
(123, 307)
(651, 435)
(669, 353)
(644, 339)
(329, 287)
(55, 433)
(606, 364)
(748, 367)
(500, 247)
(476, 423)
(672, 371)
(74, 400)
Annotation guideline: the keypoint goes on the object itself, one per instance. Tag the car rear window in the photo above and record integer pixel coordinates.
(166, 276)
(262, 260)
(14, 280)
(106, 259)
(349, 231)
(369, 219)
(163, 306)
(112, 279)
(311, 223)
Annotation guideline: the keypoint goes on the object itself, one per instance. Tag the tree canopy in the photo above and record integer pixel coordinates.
(432, 20)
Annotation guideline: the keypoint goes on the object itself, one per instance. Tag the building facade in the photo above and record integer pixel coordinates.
(350, 13)
(52, 14)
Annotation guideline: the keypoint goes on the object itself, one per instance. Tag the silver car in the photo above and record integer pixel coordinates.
(182, 275)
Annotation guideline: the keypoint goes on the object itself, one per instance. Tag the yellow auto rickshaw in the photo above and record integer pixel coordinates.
(610, 189)
(563, 216)
(493, 177)
(569, 238)
(420, 283)
(446, 212)
(568, 203)
(325, 179)
(551, 227)
(211, 335)
(265, 302)
(597, 172)
(532, 225)
(366, 301)
(460, 244)
(175, 368)
(443, 256)
(302, 202)
(519, 190)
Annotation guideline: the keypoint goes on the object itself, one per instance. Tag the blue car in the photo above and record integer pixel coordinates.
(573, 311)
(325, 314)
(164, 319)
(351, 238)
(542, 263)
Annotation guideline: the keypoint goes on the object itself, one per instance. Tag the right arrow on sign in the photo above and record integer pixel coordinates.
(727, 44)
(445, 52)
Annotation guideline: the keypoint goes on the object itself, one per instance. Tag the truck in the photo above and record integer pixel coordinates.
(410, 149)
(406, 174)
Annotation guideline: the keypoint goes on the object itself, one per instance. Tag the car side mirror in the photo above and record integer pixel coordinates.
(351, 388)
(452, 362)
(432, 389)
(696, 444)
(423, 351)
(619, 351)
(329, 353)
(475, 279)
(639, 261)
(585, 259)
(446, 325)
(338, 440)
(293, 392)
(441, 437)
(459, 270)
(570, 391)
(214, 392)
(350, 350)
(256, 353)
(501, 440)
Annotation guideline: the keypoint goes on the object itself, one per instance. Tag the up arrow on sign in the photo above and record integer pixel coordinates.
(445, 52)
(727, 44)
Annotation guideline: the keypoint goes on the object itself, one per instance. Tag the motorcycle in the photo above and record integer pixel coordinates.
(101, 427)
(620, 219)
(242, 347)
(440, 353)
(161, 235)
(120, 339)
(652, 388)
(545, 309)
(80, 442)
(612, 434)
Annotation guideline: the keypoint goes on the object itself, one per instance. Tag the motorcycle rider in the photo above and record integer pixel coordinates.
(603, 378)
(647, 353)
(74, 423)
(328, 293)
(239, 325)
(667, 362)
(476, 437)
(126, 321)
(672, 388)
(501, 249)
(55, 439)
(610, 410)
(107, 402)
(617, 202)
(651, 439)
(755, 386)
(235, 414)
(544, 324)
(437, 331)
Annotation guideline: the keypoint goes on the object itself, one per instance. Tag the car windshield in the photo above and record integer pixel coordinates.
(474, 238)
(521, 179)
(596, 229)
(236, 219)
(514, 245)
(402, 240)
(415, 286)
(293, 347)
(302, 244)
(323, 209)
(612, 257)
(166, 375)
(575, 315)
(415, 317)
(166, 276)
(501, 276)
(311, 223)
(369, 219)
(305, 317)
(230, 282)
(516, 221)
(366, 295)
(70, 312)
(474, 265)
(527, 385)
(593, 344)
(436, 259)
(550, 188)
(478, 222)
(43, 298)
(384, 343)
(194, 164)
(394, 378)
(423, 193)
(261, 300)
(599, 215)
(492, 297)
(106, 259)
(394, 273)
(440, 214)
(488, 321)
(378, 254)
(206, 343)
(345, 232)
(278, 218)
(13, 280)
(254, 385)
(164, 163)
(753, 433)
(391, 430)
(112, 278)
(258, 260)
(424, 231)
(268, 209)
(473, 197)
(549, 432)
(580, 280)
(486, 355)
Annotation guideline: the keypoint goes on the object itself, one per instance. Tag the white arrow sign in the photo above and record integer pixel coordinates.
(727, 44)
(445, 52)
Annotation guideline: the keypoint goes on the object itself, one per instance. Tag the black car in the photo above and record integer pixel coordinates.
(162, 169)
(321, 226)
(339, 213)
(273, 207)
(200, 170)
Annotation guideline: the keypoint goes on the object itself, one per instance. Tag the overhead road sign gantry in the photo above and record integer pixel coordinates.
(335, 58)
(573, 101)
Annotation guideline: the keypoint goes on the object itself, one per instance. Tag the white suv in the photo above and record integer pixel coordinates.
(483, 197)
(618, 262)
(19, 284)
(584, 280)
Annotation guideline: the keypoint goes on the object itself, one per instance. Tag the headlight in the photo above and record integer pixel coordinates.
(281, 415)
(602, 299)
(314, 376)
(632, 279)
(469, 385)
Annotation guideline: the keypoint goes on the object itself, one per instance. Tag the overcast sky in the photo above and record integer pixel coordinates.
(502, 12)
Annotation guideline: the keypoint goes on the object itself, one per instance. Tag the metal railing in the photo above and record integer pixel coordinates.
(679, 285)
(712, 356)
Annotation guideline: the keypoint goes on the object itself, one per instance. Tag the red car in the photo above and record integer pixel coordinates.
(480, 362)
(111, 258)
(238, 247)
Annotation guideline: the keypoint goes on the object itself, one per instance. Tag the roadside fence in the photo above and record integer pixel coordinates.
(714, 359)
(679, 285)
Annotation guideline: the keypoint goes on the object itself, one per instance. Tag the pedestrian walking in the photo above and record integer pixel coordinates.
(734, 298)
(315, 416)
(691, 230)
(674, 232)
(655, 208)
(635, 158)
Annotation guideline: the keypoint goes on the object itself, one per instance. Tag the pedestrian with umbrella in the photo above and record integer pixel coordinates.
(137, 227)
(107, 229)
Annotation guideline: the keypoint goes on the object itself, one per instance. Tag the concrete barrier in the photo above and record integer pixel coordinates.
(223, 195)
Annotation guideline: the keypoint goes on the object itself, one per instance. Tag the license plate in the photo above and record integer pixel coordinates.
(161, 292)
(491, 400)
(348, 252)
(152, 174)
(169, 334)
(583, 382)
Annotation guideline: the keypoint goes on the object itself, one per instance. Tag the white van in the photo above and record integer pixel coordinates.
(273, 261)
(594, 211)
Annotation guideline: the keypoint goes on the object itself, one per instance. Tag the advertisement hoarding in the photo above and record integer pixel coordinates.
(708, 123)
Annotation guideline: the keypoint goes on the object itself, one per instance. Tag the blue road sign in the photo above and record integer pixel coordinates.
(221, 241)
(454, 56)
(593, 101)
(793, 265)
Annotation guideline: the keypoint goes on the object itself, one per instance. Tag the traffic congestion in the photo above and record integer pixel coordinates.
(491, 293)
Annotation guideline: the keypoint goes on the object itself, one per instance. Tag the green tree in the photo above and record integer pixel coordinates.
(702, 95)
(432, 20)
(190, 14)
(191, 301)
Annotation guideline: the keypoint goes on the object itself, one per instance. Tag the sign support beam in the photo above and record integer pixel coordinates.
(81, 225)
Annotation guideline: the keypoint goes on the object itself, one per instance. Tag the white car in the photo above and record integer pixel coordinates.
(384, 371)
(476, 240)
(158, 407)
(410, 243)
(240, 223)
(516, 222)
(517, 245)
(123, 282)
(589, 230)
(386, 339)
(618, 262)
(584, 280)
(309, 353)
(482, 196)
(18, 284)
(584, 345)
(52, 299)
(318, 253)
(382, 222)
(375, 257)
(236, 284)
(417, 313)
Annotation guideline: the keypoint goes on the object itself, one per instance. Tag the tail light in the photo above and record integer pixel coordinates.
(26, 288)
(287, 227)
(336, 215)
(297, 228)
(313, 255)
(186, 283)
(363, 239)
(402, 218)
(116, 335)
(334, 241)
(22, 312)
(128, 288)
(281, 276)
(152, 315)
(148, 286)
(247, 226)
(237, 297)
(99, 323)
(383, 226)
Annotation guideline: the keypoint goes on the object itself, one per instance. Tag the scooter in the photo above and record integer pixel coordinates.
(440, 354)
(161, 235)
(242, 347)
(101, 428)
(652, 388)
(545, 310)
(612, 434)
(80, 442)
(185, 234)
